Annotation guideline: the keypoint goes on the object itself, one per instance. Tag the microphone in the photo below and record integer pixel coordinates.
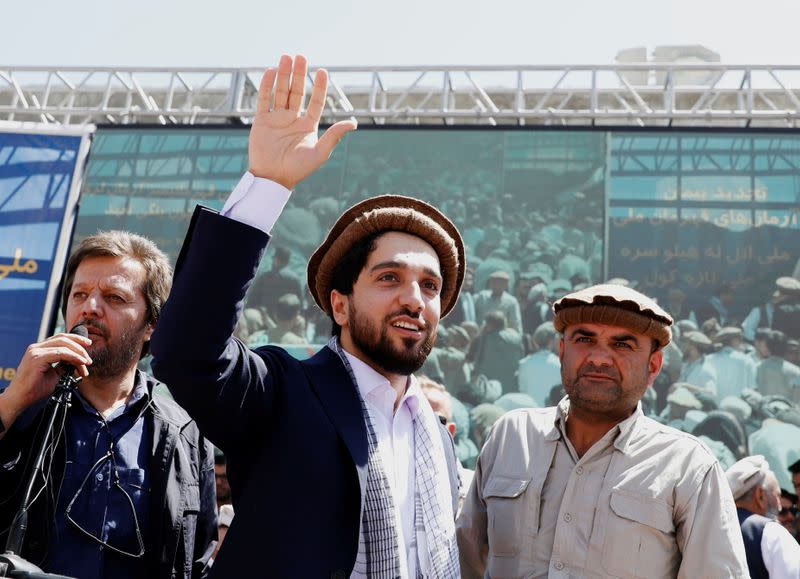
(68, 369)
(54, 414)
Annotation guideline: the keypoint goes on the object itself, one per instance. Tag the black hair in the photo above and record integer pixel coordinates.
(349, 268)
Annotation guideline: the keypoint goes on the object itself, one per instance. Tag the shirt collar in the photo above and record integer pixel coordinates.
(413, 395)
(367, 378)
(137, 401)
(624, 429)
(559, 421)
(370, 381)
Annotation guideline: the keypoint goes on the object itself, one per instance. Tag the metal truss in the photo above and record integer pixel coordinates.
(774, 154)
(649, 95)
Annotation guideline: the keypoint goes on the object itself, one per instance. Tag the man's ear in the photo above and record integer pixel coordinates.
(760, 497)
(339, 307)
(151, 327)
(654, 365)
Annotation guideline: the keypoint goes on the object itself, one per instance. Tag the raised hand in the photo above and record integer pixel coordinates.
(283, 142)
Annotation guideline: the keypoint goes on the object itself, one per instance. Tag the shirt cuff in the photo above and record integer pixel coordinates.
(257, 202)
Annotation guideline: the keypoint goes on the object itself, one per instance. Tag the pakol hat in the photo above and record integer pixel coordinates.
(458, 331)
(728, 333)
(698, 339)
(787, 285)
(540, 270)
(615, 305)
(389, 213)
(736, 406)
(682, 396)
(745, 474)
(559, 284)
(500, 274)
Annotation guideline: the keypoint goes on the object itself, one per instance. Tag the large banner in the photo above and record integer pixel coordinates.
(697, 257)
(40, 175)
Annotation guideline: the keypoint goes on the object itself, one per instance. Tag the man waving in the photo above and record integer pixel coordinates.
(338, 466)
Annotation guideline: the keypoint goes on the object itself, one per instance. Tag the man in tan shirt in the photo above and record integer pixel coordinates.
(592, 487)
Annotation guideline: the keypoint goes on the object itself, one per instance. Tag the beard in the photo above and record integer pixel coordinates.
(581, 395)
(378, 347)
(772, 510)
(610, 399)
(117, 355)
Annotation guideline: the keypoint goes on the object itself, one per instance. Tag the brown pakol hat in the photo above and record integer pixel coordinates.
(389, 213)
(614, 305)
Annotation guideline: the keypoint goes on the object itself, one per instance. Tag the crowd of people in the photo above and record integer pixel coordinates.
(547, 415)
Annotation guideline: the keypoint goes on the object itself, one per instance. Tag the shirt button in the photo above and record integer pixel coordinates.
(99, 476)
(558, 565)
(579, 470)
(567, 517)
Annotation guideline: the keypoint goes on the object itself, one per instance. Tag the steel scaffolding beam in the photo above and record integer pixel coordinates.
(649, 95)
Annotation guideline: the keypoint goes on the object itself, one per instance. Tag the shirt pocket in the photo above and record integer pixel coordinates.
(190, 495)
(640, 537)
(132, 480)
(512, 513)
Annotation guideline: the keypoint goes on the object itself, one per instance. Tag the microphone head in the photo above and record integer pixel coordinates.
(80, 330)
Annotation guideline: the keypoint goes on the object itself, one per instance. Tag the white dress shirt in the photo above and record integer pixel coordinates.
(395, 433)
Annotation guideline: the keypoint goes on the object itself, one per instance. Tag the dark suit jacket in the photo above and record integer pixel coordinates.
(293, 432)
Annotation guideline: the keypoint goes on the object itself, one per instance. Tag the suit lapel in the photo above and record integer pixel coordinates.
(337, 393)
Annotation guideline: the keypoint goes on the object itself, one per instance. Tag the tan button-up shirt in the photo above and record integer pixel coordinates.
(645, 501)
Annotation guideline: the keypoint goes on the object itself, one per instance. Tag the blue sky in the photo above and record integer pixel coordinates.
(412, 32)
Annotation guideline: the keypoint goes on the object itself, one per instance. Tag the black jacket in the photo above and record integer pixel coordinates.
(183, 521)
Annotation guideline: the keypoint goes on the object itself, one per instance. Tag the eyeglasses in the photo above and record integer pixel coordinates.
(107, 457)
(787, 510)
